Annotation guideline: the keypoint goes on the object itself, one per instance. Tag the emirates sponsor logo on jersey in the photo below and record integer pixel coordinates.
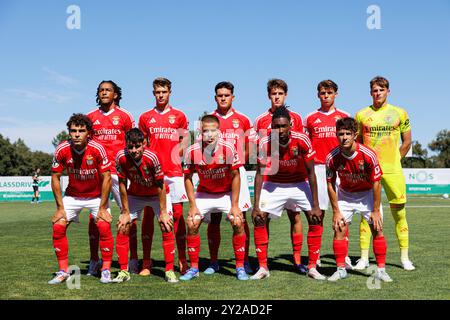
(89, 160)
(317, 121)
(172, 119)
(153, 120)
(115, 120)
(105, 131)
(235, 123)
(97, 122)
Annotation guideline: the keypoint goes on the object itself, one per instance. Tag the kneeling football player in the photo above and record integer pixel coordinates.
(359, 192)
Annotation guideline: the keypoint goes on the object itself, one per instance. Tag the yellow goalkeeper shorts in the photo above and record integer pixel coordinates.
(395, 187)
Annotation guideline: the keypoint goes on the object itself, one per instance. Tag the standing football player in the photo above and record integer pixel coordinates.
(166, 131)
(109, 124)
(382, 126)
(237, 129)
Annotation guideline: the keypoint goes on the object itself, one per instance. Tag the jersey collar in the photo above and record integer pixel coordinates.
(229, 114)
(167, 109)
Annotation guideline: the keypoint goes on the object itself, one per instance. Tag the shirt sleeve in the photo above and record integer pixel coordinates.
(236, 161)
(120, 167)
(404, 122)
(307, 149)
(375, 169)
(330, 171)
(58, 162)
(103, 161)
(188, 166)
(143, 126)
(159, 174)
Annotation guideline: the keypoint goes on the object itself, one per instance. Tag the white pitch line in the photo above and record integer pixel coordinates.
(428, 206)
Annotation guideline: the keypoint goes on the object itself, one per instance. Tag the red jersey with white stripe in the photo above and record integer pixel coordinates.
(214, 171)
(142, 174)
(109, 130)
(321, 128)
(164, 130)
(356, 173)
(287, 164)
(84, 168)
(237, 129)
(263, 123)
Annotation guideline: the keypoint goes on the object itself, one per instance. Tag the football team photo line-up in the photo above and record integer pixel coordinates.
(303, 165)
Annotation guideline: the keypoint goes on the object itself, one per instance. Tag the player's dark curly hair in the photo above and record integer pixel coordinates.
(134, 136)
(281, 112)
(347, 124)
(224, 84)
(79, 119)
(117, 90)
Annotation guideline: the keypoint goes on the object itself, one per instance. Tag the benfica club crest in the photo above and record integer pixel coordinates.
(89, 160)
(172, 119)
(147, 170)
(294, 151)
(221, 159)
(361, 165)
(235, 123)
(115, 120)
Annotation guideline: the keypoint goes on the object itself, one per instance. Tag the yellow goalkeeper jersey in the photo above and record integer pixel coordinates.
(381, 130)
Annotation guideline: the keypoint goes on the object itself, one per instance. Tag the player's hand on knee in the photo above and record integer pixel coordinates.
(123, 224)
(194, 217)
(165, 221)
(235, 216)
(258, 217)
(60, 214)
(104, 215)
(338, 222)
(315, 215)
(377, 220)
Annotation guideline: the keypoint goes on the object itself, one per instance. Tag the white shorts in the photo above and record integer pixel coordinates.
(275, 197)
(177, 191)
(115, 190)
(137, 204)
(244, 195)
(322, 189)
(74, 205)
(356, 202)
(208, 203)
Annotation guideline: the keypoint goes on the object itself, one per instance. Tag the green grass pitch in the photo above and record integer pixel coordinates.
(28, 261)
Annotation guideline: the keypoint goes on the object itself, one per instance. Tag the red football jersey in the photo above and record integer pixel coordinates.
(237, 129)
(286, 165)
(164, 130)
(142, 174)
(321, 128)
(263, 123)
(358, 172)
(214, 172)
(83, 168)
(109, 130)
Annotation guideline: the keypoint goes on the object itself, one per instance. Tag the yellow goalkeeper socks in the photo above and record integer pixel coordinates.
(401, 227)
(364, 238)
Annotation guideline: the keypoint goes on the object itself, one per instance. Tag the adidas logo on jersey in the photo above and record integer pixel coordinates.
(153, 120)
(96, 122)
(317, 121)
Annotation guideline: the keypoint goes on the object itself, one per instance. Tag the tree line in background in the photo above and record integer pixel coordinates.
(16, 159)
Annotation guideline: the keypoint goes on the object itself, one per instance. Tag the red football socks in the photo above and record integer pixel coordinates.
(379, 249)
(193, 245)
(122, 244)
(61, 246)
(314, 243)
(297, 242)
(179, 229)
(106, 243)
(340, 248)
(168, 243)
(261, 243)
(239, 249)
